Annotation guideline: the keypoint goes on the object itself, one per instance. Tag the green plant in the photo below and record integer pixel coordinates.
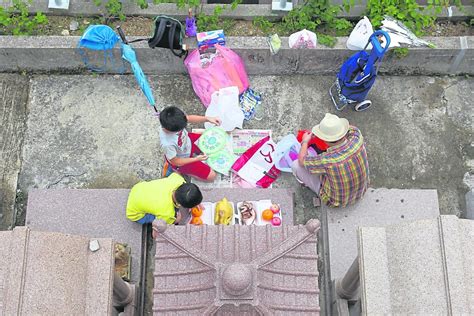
(413, 15)
(209, 22)
(400, 52)
(314, 14)
(326, 40)
(16, 20)
(408, 11)
(110, 10)
(263, 24)
(214, 21)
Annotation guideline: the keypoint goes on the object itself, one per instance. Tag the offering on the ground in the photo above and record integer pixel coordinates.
(275, 208)
(276, 221)
(123, 259)
(196, 211)
(196, 221)
(267, 215)
(223, 213)
(247, 213)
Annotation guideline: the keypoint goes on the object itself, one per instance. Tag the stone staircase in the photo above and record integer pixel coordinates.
(379, 207)
(422, 267)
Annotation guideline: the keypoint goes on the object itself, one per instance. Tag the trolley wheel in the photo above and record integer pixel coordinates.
(362, 106)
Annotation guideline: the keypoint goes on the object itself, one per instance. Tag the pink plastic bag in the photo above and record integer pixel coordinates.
(257, 165)
(226, 69)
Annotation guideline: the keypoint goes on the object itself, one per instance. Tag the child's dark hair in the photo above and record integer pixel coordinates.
(173, 119)
(188, 195)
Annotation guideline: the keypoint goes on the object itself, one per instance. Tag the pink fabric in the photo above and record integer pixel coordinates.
(226, 70)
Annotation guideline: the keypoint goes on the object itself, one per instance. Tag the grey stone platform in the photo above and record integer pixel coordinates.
(44, 273)
(93, 213)
(423, 267)
(379, 207)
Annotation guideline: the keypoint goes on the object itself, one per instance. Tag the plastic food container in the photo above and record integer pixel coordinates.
(260, 206)
(209, 211)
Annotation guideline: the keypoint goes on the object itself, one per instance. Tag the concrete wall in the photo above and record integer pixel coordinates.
(453, 55)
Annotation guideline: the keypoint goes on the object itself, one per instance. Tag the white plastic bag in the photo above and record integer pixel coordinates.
(286, 152)
(360, 35)
(400, 35)
(225, 105)
(303, 39)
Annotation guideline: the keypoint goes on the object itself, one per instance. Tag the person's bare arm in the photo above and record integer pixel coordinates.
(203, 119)
(178, 162)
(304, 148)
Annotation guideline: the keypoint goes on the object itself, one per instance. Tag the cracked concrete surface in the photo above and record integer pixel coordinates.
(98, 132)
(13, 112)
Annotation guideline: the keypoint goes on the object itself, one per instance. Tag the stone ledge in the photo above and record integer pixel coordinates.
(452, 56)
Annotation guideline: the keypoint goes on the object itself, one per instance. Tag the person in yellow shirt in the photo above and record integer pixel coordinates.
(161, 199)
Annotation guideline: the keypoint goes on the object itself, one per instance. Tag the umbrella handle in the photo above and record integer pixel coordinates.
(122, 34)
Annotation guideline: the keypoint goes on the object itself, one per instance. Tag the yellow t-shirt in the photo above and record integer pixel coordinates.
(154, 197)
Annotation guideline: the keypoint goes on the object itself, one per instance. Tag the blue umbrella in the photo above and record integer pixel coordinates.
(129, 55)
(98, 37)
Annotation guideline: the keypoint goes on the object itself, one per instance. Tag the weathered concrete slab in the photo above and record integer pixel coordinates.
(13, 111)
(421, 267)
(470, 204)
(92, 213)
(380, 207)
(452, 55)
(90, 132)
(99, 132)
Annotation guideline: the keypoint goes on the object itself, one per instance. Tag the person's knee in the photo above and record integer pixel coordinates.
(295, 165)
(212, 176)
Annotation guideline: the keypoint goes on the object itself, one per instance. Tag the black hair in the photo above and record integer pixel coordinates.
(188, 195)
(173, 119)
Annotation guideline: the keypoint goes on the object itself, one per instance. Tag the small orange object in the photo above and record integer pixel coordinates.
(196, 211)
(196, 221)
(267, 215)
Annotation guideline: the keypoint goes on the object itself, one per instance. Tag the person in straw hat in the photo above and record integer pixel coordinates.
(340, 175)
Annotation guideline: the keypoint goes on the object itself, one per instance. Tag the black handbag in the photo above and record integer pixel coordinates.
(168, 33)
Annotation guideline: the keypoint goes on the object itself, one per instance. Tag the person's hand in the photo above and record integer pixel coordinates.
(201, 157)
(214, 120)
(306, 137)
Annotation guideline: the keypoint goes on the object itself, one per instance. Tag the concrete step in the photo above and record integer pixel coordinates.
(421, 267)
(46, 273)
(379, 207)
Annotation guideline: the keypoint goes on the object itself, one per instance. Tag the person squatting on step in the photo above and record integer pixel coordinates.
(340, 175)
(161, 199)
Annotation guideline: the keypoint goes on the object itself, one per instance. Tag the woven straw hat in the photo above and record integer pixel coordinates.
(332, 128)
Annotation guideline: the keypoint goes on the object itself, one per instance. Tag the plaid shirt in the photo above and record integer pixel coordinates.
(344, 170)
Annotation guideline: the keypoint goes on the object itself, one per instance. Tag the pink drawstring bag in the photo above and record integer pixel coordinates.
(224, 69)
(257, 164)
